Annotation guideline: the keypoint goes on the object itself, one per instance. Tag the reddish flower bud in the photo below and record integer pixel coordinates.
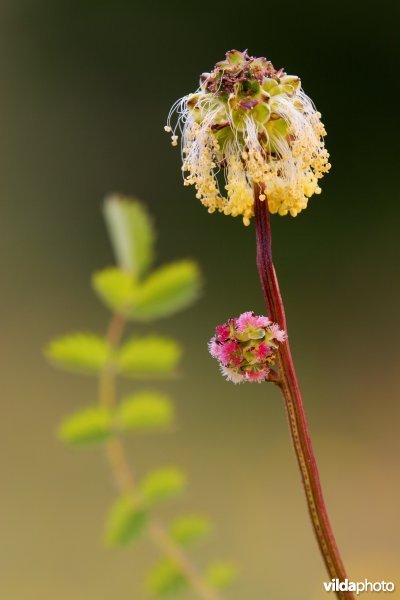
(246, 347)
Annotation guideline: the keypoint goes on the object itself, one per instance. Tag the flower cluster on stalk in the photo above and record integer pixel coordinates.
(254, 125)
(246, 347)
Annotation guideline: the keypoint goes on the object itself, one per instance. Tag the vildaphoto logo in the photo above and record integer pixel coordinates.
(359, 587)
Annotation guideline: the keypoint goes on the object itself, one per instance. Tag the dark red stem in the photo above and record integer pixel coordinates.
(293, 400)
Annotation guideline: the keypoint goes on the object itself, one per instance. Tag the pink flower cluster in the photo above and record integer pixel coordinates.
(246, 347)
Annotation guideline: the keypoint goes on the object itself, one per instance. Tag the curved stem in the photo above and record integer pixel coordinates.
(293, 400)
(125, 479)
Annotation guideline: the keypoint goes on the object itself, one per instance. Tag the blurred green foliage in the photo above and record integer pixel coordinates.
(79, 352)
(146, 411)
(131, 233)
(87, 426)
(148, 356)
(165, 291)
(187, 529)
(165, 578)
(162, 484)
(132, 294)
(125, 521)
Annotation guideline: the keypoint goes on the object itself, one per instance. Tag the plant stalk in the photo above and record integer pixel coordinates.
(125, 479)
(293, 399)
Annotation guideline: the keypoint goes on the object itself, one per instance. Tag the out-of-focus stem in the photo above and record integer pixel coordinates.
(293, 400)
(125, 479)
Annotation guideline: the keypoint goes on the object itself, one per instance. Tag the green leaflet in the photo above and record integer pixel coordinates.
(145, 411)
(221, 574)
(86, 426)
(116, 288)
(187, 529)
(166, 291)
(83, 352)
(125, 522)
(131, 233)
(165, 578)
(162, 484)
(148, 356)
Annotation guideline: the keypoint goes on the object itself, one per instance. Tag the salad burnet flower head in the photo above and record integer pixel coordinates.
(250, 124)
(246, 347)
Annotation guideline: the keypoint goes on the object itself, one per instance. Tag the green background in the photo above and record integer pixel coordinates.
(85, 89)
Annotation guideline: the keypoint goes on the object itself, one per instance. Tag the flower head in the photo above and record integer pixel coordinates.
(255, 125)
(246, 347)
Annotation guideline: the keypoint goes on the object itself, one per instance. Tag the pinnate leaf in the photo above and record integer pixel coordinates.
(187, 529)
(131, 233)
(89, 425)
(166, 579)
(162, 484)
(125, 522)
(148, 356)
(166, 291)
(84, 352)
(145, 411)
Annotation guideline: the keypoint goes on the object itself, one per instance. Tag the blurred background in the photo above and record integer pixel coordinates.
(85, 89)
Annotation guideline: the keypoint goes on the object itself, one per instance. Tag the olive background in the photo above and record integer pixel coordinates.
(85, 90)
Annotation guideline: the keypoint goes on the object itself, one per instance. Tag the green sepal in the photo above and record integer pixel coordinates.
(261, 112)
(292, 80)
(250, 87)
(269, 84)
(223, 135)
(235, 58)
(239, 119)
